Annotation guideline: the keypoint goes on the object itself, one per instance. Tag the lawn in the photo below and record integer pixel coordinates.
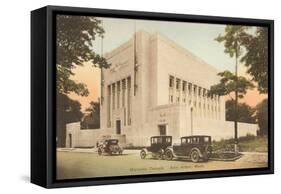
(246, 144)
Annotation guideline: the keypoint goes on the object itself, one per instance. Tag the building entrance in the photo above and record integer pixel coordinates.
(162, 129)
(118, 127)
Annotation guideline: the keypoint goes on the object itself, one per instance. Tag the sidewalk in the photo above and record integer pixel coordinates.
(92, 150)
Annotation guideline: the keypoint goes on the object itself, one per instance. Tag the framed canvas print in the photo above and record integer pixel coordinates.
(125, 96)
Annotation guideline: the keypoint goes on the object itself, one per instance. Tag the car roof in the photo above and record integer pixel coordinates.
(111, 140)
(161, 136)
(195, 136)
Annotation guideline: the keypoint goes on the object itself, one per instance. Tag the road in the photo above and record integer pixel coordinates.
(85, 163)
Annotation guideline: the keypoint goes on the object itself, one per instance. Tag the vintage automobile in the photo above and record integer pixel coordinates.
(109, 146)
(195, 148)
(157, 147)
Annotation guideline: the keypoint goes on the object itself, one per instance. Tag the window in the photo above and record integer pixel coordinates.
(171, 98)
(184, 86)
(189, 88)
(178, 84)
(168, 139)
(171, 81)
(178, 99)
(195, 140)
(199, 91)
(118, 94)
(123, 92)
(108, 105)
(129, 100)
(113, 96)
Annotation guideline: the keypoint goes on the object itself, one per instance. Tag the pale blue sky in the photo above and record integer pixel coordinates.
(197, 38)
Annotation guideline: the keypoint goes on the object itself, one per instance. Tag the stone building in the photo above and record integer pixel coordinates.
(156, 87)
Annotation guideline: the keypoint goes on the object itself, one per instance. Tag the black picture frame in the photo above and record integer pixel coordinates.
(43, 96)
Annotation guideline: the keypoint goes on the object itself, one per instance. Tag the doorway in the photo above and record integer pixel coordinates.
(70, 140)
(162, 129)
(118, 127)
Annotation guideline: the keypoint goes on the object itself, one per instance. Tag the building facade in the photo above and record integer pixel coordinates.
(155, 87)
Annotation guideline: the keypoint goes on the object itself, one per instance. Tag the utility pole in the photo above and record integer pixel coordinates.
(236, 102)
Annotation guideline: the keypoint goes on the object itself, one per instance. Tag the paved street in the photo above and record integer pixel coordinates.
(83, 163)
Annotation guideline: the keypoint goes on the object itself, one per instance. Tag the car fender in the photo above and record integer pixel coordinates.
(170, 149)
(198, 150)
(145, 150)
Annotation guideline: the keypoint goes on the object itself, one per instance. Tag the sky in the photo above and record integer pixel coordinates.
(195, 37)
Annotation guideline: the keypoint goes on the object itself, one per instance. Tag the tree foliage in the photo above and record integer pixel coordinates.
(92, 120)
(256, 57)
(246, 113)
(262, 116)
(250, 45)
(74, 43)
(229, 84)
(68, 111)
(233, 39)
(75, 36)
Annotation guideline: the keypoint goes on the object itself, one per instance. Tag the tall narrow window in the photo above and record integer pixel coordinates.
(118, 94)
(108, 106)
(129, 99)
(184, 86)
(177, 84)
(189, 88)
(194, 90)
(171, 82)
(123, 92)
(113, 96)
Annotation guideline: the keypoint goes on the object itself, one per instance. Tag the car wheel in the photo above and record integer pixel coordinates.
(142, 154)
(161, 154)
(120, 152)
(194, 156)
(169, 155)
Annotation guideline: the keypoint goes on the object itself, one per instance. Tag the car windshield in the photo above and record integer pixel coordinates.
(206, 139)
(168, 139)
(156, 140)
(195, 140)
(113, 142)
(185, 140)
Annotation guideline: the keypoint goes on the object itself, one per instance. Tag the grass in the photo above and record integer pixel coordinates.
(248, 143)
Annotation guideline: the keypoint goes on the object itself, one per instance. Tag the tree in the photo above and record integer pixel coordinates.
(262, 116)
(74, 43)
(92, 120)
(245, 112)
(67, 111)
(75, 36)
(232, 40)
(256, 57)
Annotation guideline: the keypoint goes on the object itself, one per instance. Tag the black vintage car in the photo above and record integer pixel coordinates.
(157, 147)
(195, 148)
(110, 146)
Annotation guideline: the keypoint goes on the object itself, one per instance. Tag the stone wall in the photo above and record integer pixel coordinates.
(217, 130)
